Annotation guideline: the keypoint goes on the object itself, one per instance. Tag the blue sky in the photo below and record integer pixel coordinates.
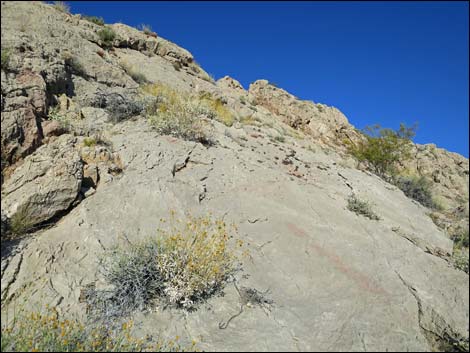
(378, 62)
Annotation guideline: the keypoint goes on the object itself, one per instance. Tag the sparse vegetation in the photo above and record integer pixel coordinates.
(383, 149)
(147, 29)
(279, 138)
(417, 188)
(21, 222)
(361, 207)
(249, 120)
(184, 115)
(89, 141)
(76, 66)
(172, 113)
(61, 6)
(460, 256)
(222, 113)
(107, 36)
(64, 121)
(460, 238)
(137, 76)
(5, 58)
(183, 266)
(94, 19)
(46, 332)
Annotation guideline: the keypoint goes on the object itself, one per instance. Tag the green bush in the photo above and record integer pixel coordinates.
(460, 238)
(183, 266)
(5, 58)
(383, 149)
(107, 36)
(361, 207)
(94, 19)
(461, 259)
(89, 141)
(45, 332)
(418, 189)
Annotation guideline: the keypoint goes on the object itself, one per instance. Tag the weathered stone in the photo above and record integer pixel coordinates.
(338, 281)
(46, 183)
(52, 128)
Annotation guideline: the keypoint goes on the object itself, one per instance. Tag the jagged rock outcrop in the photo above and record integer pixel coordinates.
(325, 124)
(46, 183)
(337, 281)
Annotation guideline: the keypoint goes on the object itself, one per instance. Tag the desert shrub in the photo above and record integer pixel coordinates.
(74, 63)
(383, 149)
(61, 6)
(222, 113)
(64, 121)
(120, 106)
(361, 207)
(21, 222)
(89, 141)
(418, 189)
(5, 58)
(460, 238)
(107, 36)
(136, 75)
(461, 259)
(176, 114)
(279, 138)
(249, 120)
(184, 265)
(94, 19)
(45, 332)
(147, 29)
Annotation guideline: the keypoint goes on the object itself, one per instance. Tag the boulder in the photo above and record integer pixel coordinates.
(45, 184)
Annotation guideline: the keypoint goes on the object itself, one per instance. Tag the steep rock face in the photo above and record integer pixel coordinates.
(338, 281)
(47, 182)
(447, 171)
(325, 124)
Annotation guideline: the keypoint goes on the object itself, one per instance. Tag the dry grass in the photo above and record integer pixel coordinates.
(131, 70)
(61, 6)
(45, 332)
(223, 114)
(177, 114)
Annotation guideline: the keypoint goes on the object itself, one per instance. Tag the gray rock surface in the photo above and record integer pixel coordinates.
(337, 281)
(46, 183)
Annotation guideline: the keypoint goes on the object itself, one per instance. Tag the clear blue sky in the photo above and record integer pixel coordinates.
(378, 62)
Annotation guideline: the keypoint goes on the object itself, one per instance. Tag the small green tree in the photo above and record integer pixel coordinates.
(383, 148)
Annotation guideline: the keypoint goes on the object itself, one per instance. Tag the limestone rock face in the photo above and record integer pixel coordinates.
(47, 182)
(78, 147)
(325, 124)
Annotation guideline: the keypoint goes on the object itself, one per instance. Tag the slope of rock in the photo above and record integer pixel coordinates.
(337, 281)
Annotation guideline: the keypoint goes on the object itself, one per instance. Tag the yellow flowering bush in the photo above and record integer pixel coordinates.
(45, 332)
(182, 114)
(186, 263)
(194, 260)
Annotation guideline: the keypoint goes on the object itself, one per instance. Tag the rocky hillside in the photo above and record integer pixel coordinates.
(84, 169)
